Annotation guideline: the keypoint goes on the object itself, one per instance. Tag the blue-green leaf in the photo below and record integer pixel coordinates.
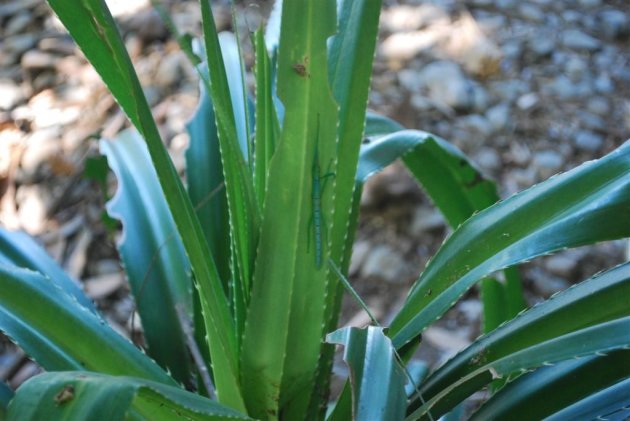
(151, 251)
(83, 396)
(21, 250)
(588, 204)
(612, 404)
(378, 382)
(60, 334)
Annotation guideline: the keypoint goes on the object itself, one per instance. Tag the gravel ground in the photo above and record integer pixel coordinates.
(525, 88)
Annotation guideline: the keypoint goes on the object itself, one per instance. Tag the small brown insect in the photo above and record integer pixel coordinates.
(301, 68)
(65, 395)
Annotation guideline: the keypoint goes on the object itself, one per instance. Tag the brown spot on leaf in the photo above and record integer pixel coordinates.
(66, 394)
(301, 68)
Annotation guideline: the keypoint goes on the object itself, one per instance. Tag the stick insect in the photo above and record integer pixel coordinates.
(316, 197)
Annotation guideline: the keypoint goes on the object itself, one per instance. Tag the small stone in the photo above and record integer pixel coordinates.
(591, 121)
(488, 158)
(448, 85)
(405, 45)
(509, 90)
(561, 264)
(104, 267)
(44, 80)
(471, 309)
(10, 95)
(10, 8)
(598, 105)
(520, 154)
(169, 71)
(410, 80)
(20, 43)
(531, 12)
(426, 219)
(499, 116)
(56, 45)
(152, 94)
(17, 23)
(604, 60)
(571, 17)
(541, 46)
(148, 25)
(101, 286)
(41, 145)
(421, 103)
(546, 284)
(588, 141)
(505, 4)
(476, 124)
(410, 18)
(576, 68)
(35, 59)
(604, 84)
(528, 101)
(385, 263)
(577, 40)
(522, 178)
(614, 24)
(564, 88)
(133, 44)
(473, 49)
(360, 251)
(590, 3)
(32, 208)
(548, 160)
(480, 98)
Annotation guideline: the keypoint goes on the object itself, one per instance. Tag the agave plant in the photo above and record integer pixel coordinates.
(239, 276)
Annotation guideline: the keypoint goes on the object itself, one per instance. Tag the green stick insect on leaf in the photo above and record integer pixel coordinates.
(316, 196)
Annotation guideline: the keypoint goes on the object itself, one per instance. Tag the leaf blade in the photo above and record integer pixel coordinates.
(557, 329)
(29, 302)
(151, 251)
(77, 395)
(378, 383)
(93, 28)
(552, 215)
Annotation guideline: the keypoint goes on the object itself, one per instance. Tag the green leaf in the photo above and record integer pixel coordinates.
(459, 191)
(378, 382)
(204, 174)
(80, 396)
(206, 189)
(493, 291)
(96, 169)
(377, 125)
(456, 187)
(350, 69)
(234, 73)
(612, 403)
(568, 382)
(225, 89)
(47, 323)
(588, 204)
(93, 28)
(19, 249)
(350, 57)
(267, 124)
(561, 328)
(287, 302)
(151, 252)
